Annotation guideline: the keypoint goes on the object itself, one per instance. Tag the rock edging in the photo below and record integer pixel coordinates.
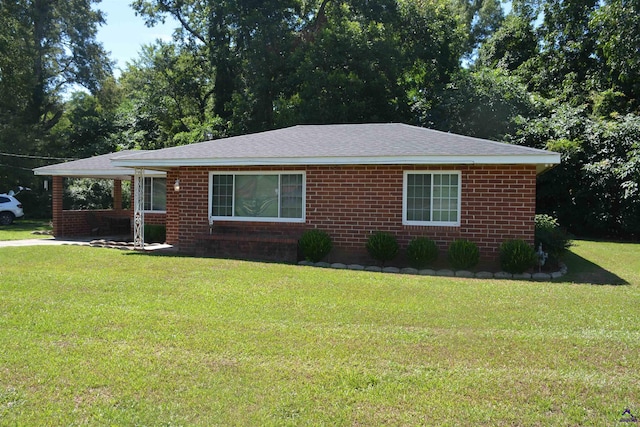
(443, 272)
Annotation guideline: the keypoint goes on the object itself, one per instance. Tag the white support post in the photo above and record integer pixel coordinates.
(138, 213)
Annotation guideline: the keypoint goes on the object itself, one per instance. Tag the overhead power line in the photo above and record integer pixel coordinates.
(25, 156)
(15, 167)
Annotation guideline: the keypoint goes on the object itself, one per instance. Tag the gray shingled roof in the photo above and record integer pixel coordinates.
(314, 145)
(94, 167)
(341, 144)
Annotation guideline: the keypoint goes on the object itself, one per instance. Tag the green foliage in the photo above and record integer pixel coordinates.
(463, 254)
(155, 233)
(315, 244)
(485, 104)
(382, 246)
(421, 252)
(616, 24)
(594, 191)
(86, 193)
(554, 239)
(516, 256)
(85, 128)
(510, 46)
(46, 49)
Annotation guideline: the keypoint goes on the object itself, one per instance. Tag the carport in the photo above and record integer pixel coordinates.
(73, 223)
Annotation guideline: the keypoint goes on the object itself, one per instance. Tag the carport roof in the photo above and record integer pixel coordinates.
(94, 167)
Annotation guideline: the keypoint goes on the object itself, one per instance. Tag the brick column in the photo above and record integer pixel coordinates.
(117, 195)
(173, 208)
(56, 196)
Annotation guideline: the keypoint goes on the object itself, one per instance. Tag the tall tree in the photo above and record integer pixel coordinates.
(46, 47)
(481, 19)
(207, 28)
(509, 46)
(169, 99)
(566, 65)
(617, 25)
(84, 129)
(485, 103)
(54, 44)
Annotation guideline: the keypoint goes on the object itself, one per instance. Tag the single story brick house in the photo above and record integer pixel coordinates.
(254, 195)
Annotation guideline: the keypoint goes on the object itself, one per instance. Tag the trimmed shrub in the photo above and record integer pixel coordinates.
(421, 252)
(554, 239)
(382, 246)
(516, 256)
(463, 254)
(315, 244)
(154, 233)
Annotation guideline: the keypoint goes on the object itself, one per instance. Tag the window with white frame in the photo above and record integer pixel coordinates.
(155, 194)
(431, 198)
(259, 196)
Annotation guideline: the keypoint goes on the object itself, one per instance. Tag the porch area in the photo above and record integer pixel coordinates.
(144, 201)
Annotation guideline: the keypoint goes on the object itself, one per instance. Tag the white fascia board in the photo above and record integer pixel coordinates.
(544, 159)
(93, 173)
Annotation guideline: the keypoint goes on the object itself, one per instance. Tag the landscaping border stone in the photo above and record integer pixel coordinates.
(444, 272)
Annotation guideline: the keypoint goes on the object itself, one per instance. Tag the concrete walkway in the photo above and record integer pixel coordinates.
(79, 242)
(42, 242)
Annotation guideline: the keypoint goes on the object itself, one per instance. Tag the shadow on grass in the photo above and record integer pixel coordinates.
(581, 270)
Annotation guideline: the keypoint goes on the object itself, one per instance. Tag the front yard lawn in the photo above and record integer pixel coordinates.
(22, 229)
(105, 337)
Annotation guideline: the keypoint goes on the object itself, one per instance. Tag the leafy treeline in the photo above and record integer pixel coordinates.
(548, 74)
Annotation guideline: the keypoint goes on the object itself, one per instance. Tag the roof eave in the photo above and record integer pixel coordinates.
(122, 174)
(545, 160)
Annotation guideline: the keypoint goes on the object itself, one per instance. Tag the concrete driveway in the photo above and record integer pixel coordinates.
(41, 242)
(81, 242)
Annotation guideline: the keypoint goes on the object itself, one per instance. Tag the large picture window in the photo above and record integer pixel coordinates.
(431, 198)
(155, 194)
(268, 196)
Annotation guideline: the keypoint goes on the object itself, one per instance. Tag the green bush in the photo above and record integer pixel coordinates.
(517, 256)
(315, 244)
(554, 239)
(382, 246)
(463, 254)
(154, 233)
(421, 252)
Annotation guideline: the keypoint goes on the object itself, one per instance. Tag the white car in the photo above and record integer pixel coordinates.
(10, 208)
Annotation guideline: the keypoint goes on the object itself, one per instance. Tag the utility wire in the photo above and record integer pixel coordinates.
(15, 167)
(25, 156)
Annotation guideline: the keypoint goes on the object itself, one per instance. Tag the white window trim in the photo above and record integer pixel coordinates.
(258, 219)
(405, 221)
(152, 178)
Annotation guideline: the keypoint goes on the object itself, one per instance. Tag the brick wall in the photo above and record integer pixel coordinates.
(350, 202)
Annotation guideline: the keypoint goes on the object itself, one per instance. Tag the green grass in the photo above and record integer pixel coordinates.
(23, 228)
(103, 337)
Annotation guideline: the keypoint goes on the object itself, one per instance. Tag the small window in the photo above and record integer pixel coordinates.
(257, 196)
(155, 194)
(431, 198)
